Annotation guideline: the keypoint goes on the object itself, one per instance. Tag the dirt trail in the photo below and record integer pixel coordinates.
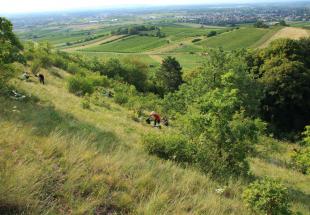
(287, 32)
(94, 43)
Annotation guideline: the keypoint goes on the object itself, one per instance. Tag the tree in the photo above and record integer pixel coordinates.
(260, 24)
(284, 71)
(219, 124)
(10, 48)
(169, 76)
(10, 45)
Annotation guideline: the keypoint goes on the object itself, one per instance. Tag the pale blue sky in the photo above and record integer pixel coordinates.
(21, 6)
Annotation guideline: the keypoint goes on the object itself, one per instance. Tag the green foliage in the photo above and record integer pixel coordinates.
(212, 34)
(216, 109)
(301, 160)
(301, 157)
(267, 196)
(171, 147)
(283, 69)
(226, 137)
(80, 85)
(169, 76)
(260, 24)
(210, 77)
(306, 134)
(135, 73)
(131, 71)
(6, 73)
(73, 68)
(10, 48)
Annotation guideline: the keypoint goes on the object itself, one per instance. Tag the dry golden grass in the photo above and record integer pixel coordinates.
(287, 32)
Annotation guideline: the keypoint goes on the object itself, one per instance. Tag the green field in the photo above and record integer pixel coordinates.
(60, 35)
(179, 32)
(241, 38)
(130, 44)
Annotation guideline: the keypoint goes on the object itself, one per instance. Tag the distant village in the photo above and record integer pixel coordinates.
(233, 16)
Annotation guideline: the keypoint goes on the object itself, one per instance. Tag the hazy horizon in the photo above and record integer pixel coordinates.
(31, 6)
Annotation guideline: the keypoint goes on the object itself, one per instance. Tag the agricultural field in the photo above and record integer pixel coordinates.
(179, 32)
(245, 37)
(130, 44)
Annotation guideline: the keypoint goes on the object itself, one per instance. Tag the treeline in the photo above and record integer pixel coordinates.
(142, 30)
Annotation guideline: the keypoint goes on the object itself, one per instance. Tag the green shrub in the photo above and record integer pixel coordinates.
(267, 196)
(120, 98)
(170, 146)
(301, 158)
(80, 85)
(73, 68)
(99, 80)
(212, 34)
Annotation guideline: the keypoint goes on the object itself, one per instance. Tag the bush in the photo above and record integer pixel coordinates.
(212, 34)
(80, 85)
(99, 81)
(301, 158)
(267, 196)
(73, 68)
(120, 98)
(170, 146)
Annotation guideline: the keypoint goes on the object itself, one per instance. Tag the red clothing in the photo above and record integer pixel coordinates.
(156, 117)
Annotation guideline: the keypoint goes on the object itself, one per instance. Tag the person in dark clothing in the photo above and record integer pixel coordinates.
(41, 79)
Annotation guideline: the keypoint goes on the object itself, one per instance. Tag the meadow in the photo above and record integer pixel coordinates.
(68, 159)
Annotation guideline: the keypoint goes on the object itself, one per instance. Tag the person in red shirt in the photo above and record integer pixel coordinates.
(156, 118)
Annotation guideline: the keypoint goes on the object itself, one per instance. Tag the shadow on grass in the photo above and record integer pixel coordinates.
(300, 197)
(44, 119)
(10, 209)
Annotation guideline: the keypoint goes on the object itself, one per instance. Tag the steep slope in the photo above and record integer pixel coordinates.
(70, 160)
(58, 158)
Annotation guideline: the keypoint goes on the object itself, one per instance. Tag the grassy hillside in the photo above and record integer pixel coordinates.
(91, 161)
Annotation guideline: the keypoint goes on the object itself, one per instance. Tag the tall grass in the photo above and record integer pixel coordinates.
(58, 158)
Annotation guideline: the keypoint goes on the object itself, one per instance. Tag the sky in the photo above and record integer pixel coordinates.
(25, 6)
